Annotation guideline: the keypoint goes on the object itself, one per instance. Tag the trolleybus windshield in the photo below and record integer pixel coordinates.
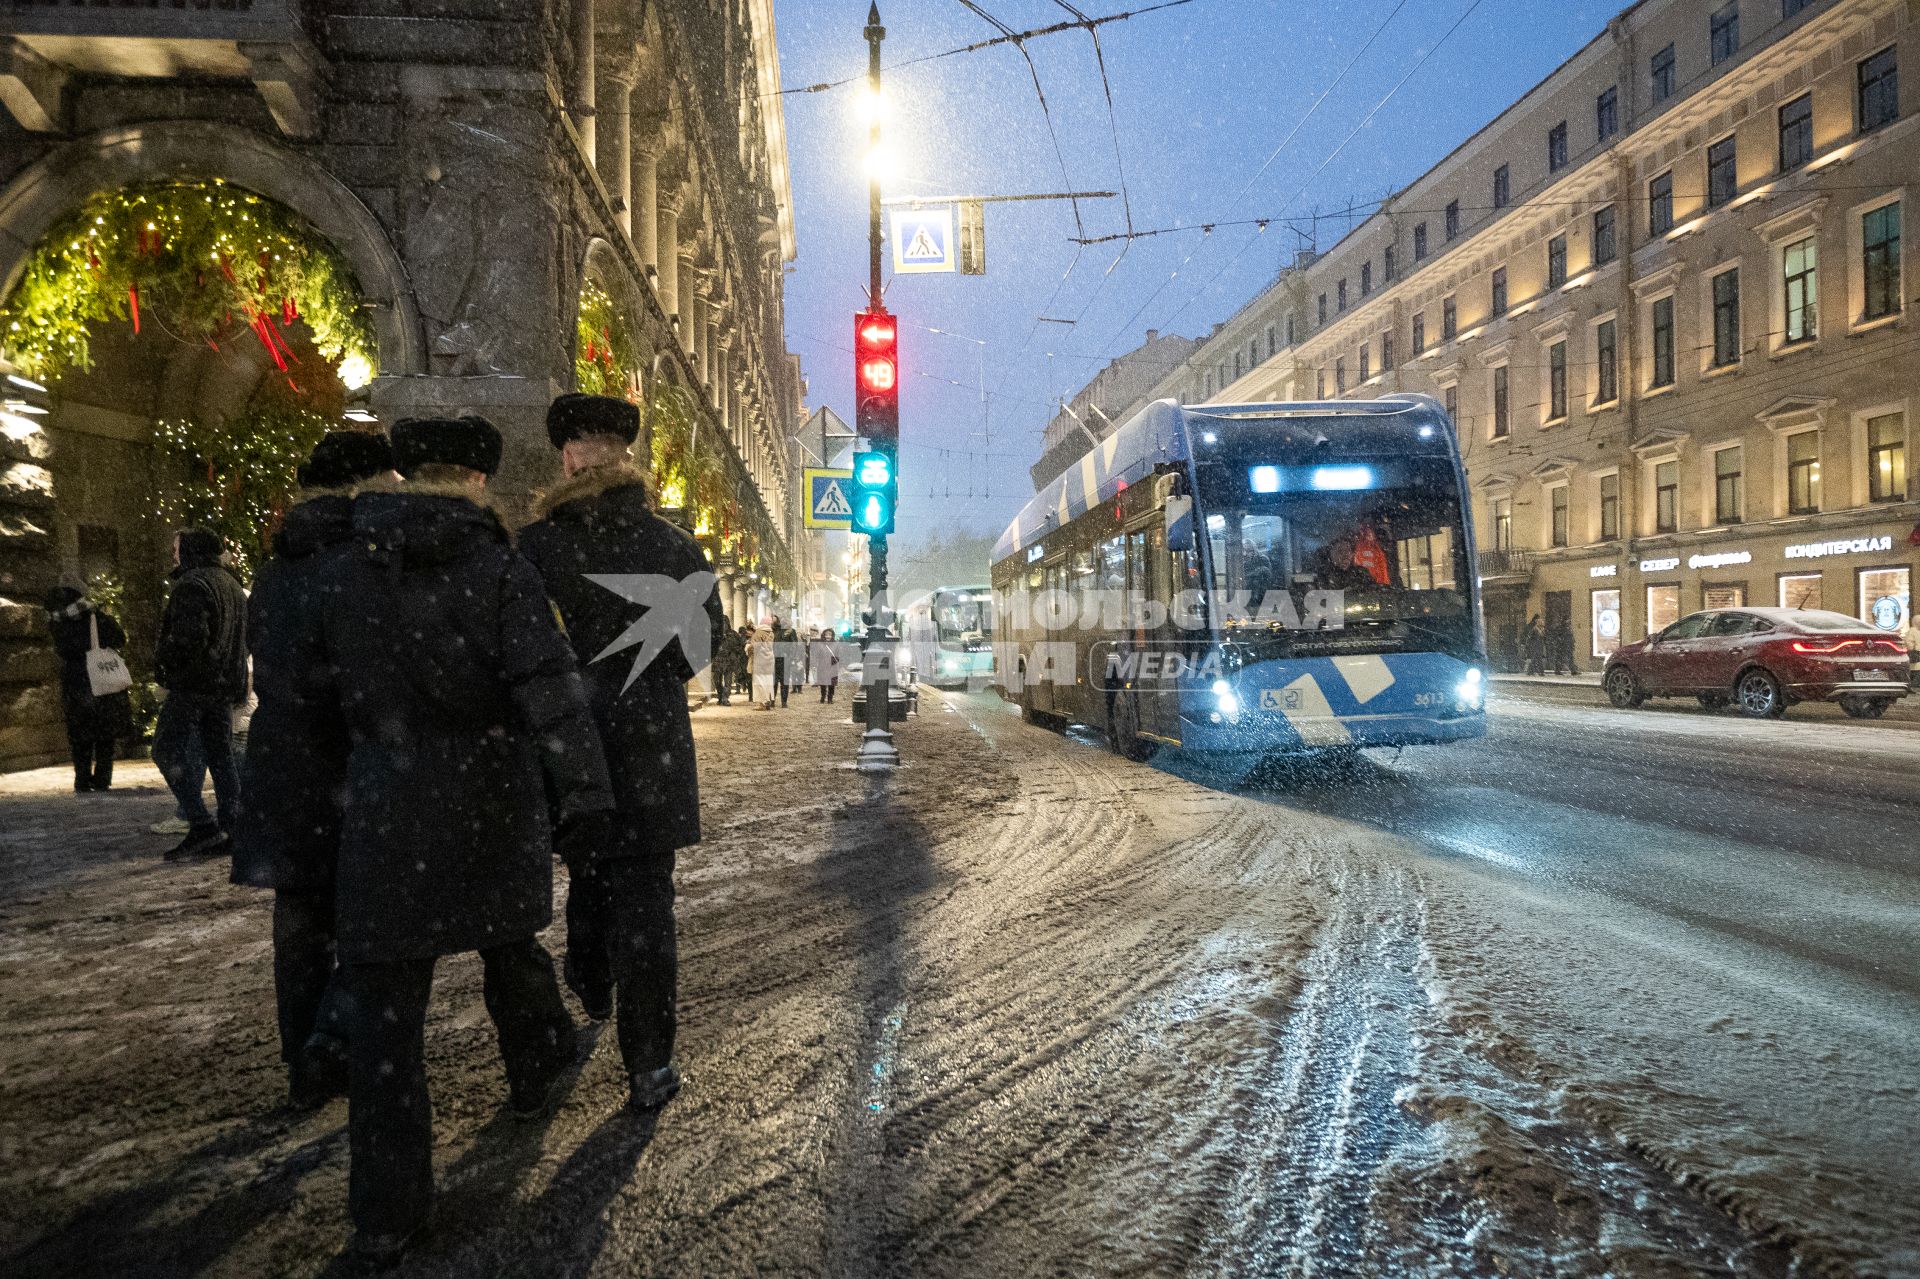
(1383, 532)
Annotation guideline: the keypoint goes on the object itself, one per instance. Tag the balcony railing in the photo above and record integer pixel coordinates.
(1508, 563)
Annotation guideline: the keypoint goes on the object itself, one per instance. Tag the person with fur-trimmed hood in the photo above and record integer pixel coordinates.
(293, 781)
(642, 610)
(465, 713)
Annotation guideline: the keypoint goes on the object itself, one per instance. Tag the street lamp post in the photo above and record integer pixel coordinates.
(877, 751)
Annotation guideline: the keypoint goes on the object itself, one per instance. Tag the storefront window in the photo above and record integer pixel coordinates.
(1800, 590)
(1884, 598)
(1663, 608)
(1724, 597)
(1606, 622)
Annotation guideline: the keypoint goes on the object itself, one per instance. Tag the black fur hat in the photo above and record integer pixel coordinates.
(574, 416)
(342, 458)
(471, 441)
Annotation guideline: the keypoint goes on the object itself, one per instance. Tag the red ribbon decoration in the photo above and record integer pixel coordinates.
(133, 300)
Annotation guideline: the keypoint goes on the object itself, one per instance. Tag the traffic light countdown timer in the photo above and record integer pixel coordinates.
(876, 383)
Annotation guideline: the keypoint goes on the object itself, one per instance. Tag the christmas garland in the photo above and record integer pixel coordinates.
(207, 261)
(239, 474)
(606, 356)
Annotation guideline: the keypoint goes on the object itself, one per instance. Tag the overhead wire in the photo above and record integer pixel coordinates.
(1366, 120)
(1008, 37)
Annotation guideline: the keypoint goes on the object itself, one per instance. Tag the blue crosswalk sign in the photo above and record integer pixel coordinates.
(829, 499)
(923, 240)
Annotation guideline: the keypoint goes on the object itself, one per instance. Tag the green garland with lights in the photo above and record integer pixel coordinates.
(239, 475)
(689, 478)
(606, 355)
(206, 261)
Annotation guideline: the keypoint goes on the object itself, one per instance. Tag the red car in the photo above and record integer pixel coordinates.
(1763, 659)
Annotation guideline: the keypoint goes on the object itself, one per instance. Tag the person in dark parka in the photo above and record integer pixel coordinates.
(294, 777)
(465, 713)
(596, 537)
(201, 660)
(93, 723)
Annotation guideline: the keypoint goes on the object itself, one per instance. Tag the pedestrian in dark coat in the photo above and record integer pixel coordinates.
(729, 664)
(93, 723)
(465, 712)
(201, 660)
(744, 675)
(294, 777)
(1534, 641)
(641, 608)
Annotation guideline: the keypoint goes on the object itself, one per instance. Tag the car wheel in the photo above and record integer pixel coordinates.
(1760, 695)
(1714, 701)
(1623, 688)
(1865, 707)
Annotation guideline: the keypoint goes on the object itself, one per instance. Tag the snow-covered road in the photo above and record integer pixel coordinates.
(1600, 995)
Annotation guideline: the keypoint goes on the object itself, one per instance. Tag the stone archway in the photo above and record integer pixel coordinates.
(54, 185)
(89, 469)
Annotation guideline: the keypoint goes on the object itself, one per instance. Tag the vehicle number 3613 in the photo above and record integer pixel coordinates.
(1429, 699)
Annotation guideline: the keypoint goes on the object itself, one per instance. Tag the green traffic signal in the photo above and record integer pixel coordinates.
(875, 491)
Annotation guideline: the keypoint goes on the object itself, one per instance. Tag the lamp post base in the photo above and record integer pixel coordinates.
(877, 752)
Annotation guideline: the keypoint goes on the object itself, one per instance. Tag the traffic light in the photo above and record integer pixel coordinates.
(876, 376)
(876, 489)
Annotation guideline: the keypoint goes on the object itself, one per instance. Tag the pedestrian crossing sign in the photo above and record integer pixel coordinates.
(829, 499)
(923, 240)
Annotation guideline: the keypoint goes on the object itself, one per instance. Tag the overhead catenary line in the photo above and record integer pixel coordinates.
(1009, 37)
(1366, 120)
(1130, 235)
(1046, 112)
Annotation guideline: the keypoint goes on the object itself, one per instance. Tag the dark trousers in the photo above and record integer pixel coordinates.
(390, 1116)
(92, 759)
(620, 931)
(194, 732)
(308, 994)
(723, 686)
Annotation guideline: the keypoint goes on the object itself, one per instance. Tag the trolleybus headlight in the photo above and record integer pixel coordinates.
(1471, 688)
(1225, 698)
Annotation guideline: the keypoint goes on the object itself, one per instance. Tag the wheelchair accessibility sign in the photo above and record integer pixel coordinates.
(1280, 699)
(829, 499)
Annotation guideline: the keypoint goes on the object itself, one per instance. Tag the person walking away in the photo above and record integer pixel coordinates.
(760, 653)
(826, 664)
(201, 660)
(294, 776)
(729, 663)
(1560, 644)
(1534, 641)
(465, 712)
(599, 524)
(94, 723)
(782, 654)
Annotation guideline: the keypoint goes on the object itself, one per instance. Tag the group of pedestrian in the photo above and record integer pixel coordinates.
(773, 660)
(1548, 649)
(433, 726)
(200, 659)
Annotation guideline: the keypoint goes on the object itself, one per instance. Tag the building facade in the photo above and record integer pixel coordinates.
(509, 202)
(1664, 298)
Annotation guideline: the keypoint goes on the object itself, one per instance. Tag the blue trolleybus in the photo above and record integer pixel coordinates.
(1252, 579)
